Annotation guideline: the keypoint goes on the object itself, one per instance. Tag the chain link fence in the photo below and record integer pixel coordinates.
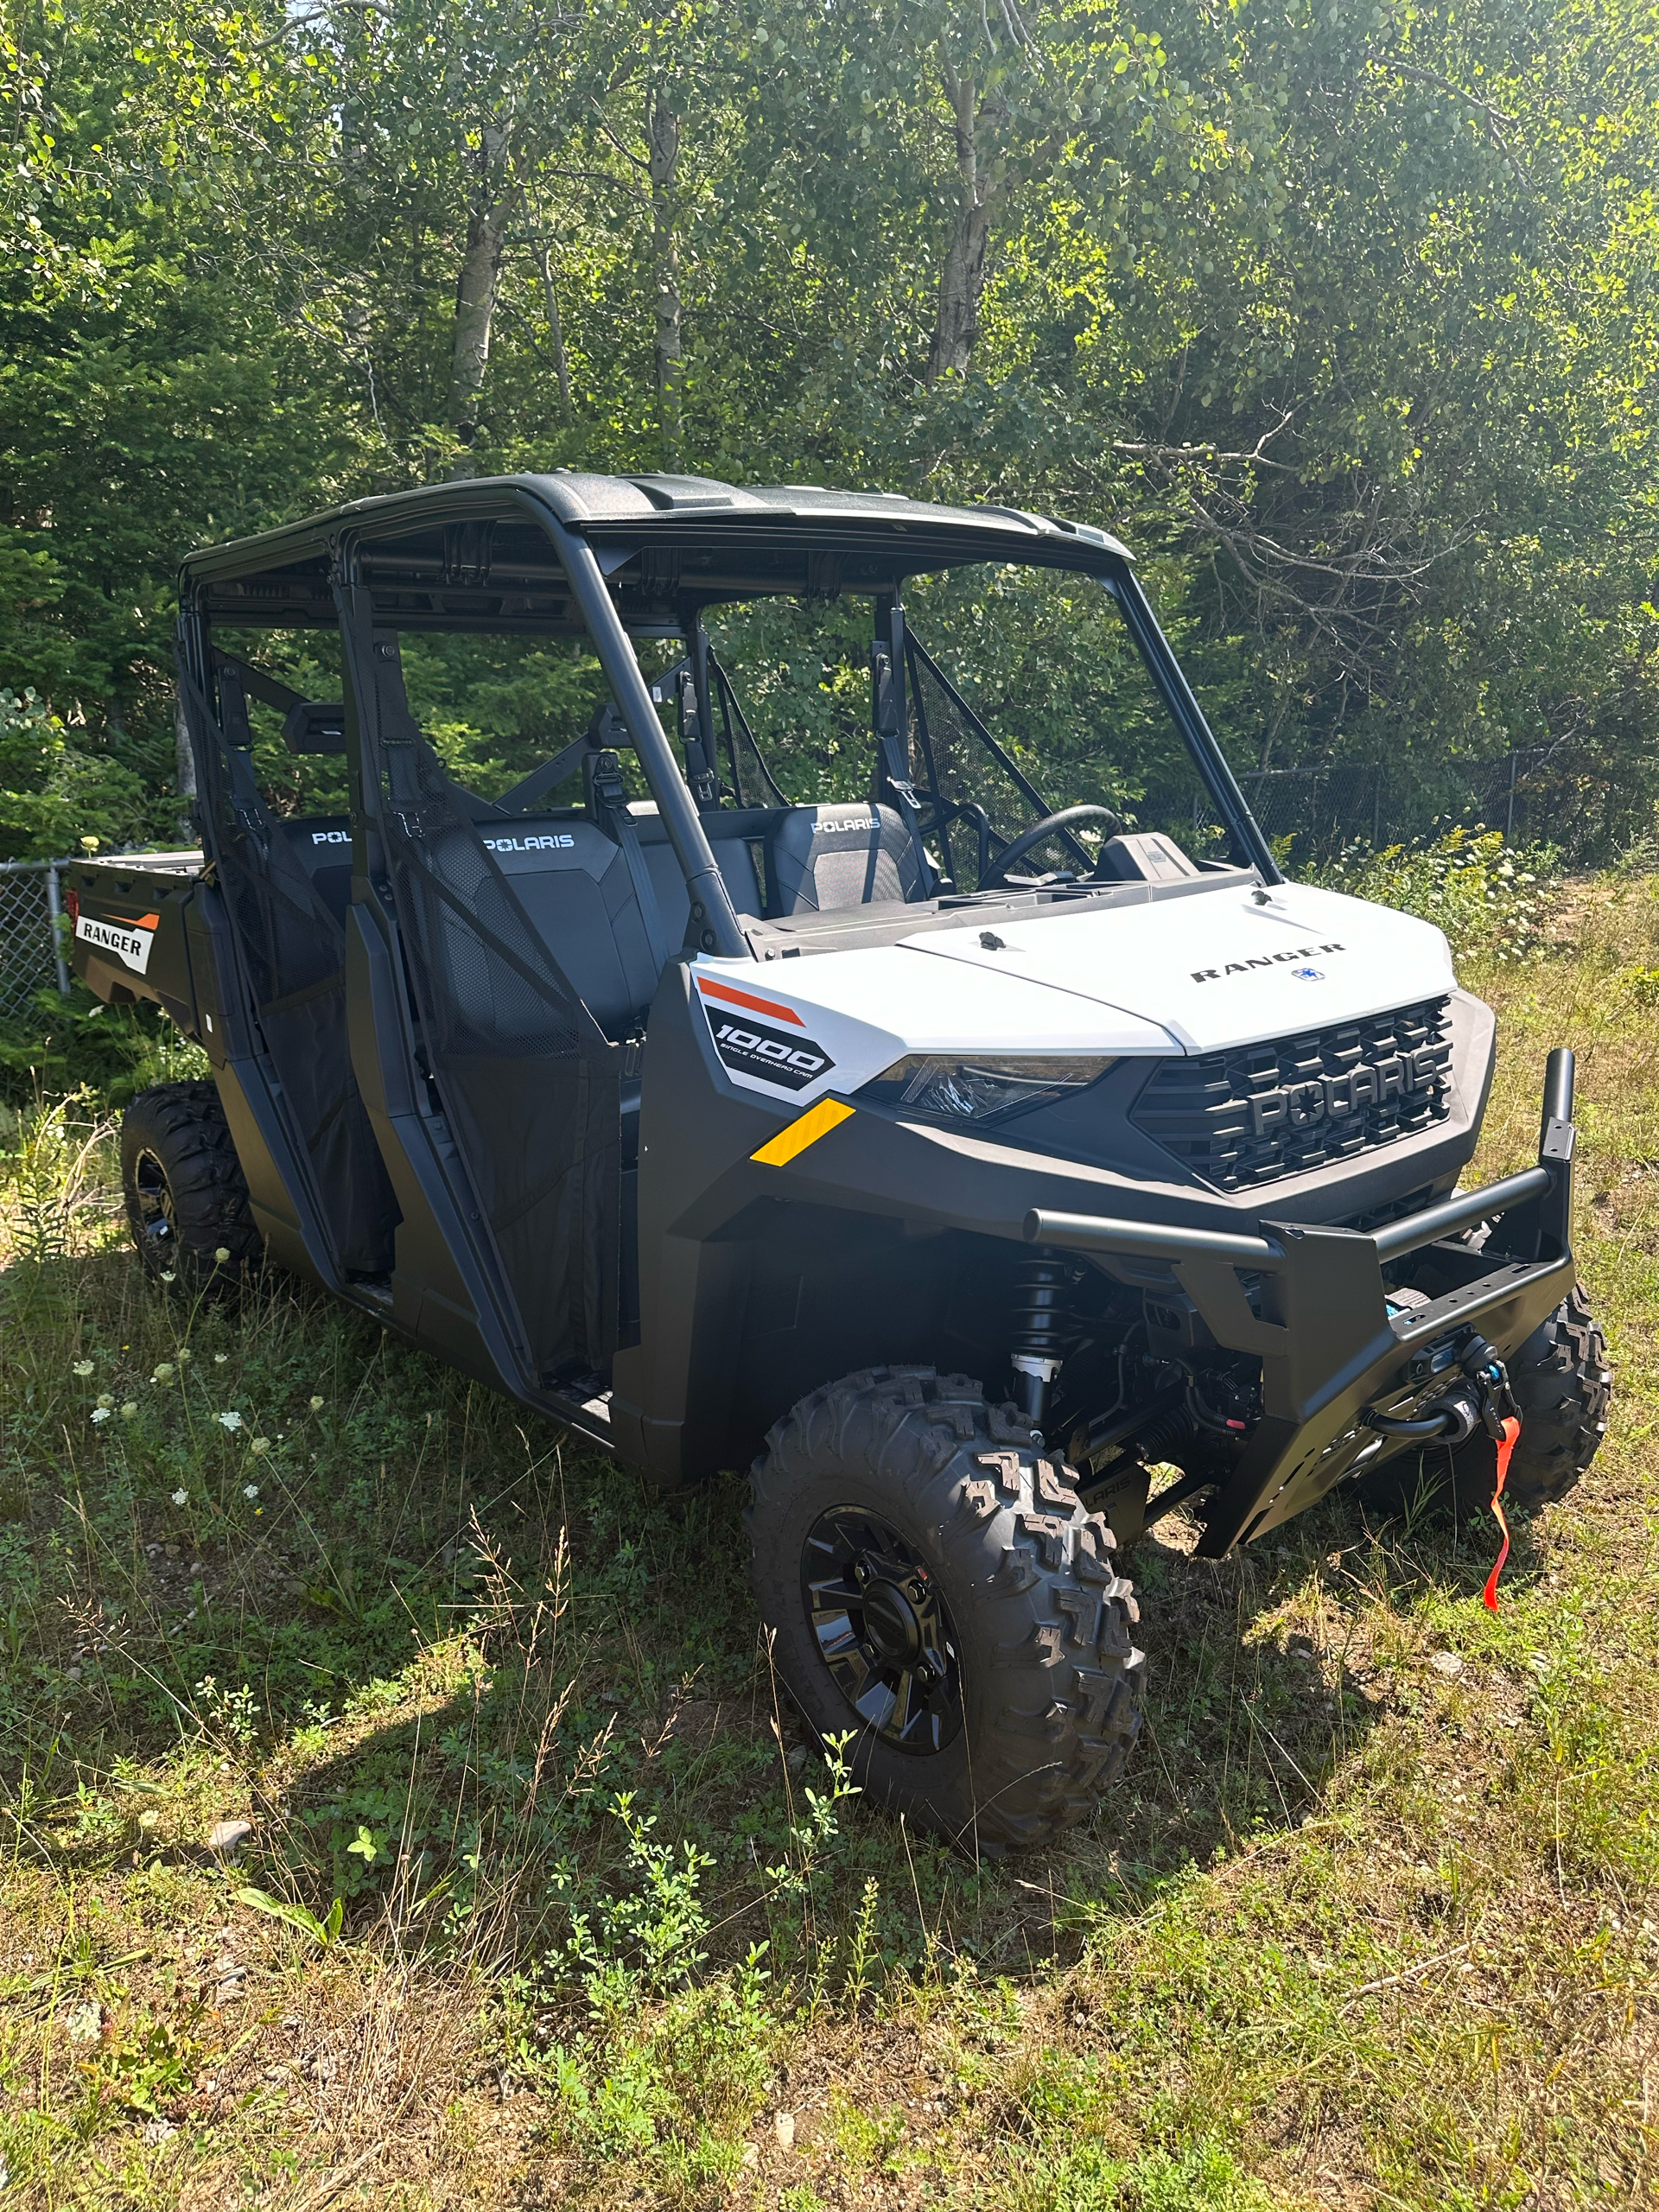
(31, 943)
(1544, 794)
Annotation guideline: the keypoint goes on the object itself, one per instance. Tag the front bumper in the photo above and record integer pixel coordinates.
(1329, 1348)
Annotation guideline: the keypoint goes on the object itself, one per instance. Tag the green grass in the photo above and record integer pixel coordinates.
(542, 1901)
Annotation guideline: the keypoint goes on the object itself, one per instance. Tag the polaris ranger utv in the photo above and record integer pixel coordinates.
(965, 1161)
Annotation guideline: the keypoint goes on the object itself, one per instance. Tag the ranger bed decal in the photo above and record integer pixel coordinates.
(130, 941)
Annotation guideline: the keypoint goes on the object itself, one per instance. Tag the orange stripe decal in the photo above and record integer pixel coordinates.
(711, 990)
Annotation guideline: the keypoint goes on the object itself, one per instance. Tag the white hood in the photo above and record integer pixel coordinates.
(1219, 969)
(1194, 974)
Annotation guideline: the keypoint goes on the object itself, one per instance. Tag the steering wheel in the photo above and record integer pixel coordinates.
(1038, 831)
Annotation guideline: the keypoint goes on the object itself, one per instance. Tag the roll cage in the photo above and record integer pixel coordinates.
(618, 559)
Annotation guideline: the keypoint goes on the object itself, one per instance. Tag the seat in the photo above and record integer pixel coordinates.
(573, 883)
(827, 858)
(322, 845)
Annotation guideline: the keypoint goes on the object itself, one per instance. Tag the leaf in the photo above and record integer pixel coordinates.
(366, 1847)
(296, 1915)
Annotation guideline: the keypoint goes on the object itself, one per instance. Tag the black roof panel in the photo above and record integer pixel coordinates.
(581, 499)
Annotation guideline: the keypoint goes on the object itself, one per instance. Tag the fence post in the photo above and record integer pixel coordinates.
(1509, 818)
(55, 912)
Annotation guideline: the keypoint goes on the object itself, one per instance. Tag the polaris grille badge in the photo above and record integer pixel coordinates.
(1270, 960)
(1373, 1086)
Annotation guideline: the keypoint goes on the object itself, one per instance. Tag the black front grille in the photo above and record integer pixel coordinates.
(1259, 1112)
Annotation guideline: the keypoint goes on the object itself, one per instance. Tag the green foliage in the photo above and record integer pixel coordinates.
(56, 790)
(1202, 2178)
(324, 1932)
(51, 1175)
(643, 1940)
(1346, 319)
(80, 1043)
(1489, 897)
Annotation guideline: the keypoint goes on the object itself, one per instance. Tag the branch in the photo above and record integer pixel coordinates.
(1494, 115)
(639, 161)
(1257, 457)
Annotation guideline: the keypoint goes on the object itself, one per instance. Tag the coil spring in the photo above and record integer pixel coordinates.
(1039, 1306)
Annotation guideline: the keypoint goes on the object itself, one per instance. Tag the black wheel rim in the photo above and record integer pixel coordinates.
(883, 1629)
(152, 1197)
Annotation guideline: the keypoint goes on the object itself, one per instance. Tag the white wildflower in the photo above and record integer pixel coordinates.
(167, 1275)
(105, 1400)
(231, 1420)
(181, 1497)
(182, 1355)
(85, 2024)
(249, 1490)
(100, 1412)
(316, 1405)
(259, 1444)
(165, 1372)
(220, 1359)
(83, 1366)
(130, 1411)
(221, 1253)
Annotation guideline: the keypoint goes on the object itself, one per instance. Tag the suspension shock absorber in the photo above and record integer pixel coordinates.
(1040, 1330)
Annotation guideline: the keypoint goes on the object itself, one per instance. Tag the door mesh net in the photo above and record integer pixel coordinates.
(530, 1083)
(293, 950)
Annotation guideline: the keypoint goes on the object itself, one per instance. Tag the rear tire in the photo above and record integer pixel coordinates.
(1562, 1384)
(186, 1197)
(896, 1518)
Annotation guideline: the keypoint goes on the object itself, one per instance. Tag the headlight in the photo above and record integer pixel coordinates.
(950, 1087)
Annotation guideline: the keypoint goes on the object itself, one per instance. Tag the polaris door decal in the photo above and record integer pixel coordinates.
(749, 1046)
(129, 941)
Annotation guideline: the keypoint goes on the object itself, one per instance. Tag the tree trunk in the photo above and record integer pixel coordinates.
(663, 135)
(555, 329)
(185, 759)
(962, 280)
(475, 296)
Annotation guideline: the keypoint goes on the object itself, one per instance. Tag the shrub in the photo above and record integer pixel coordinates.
(1487, 896)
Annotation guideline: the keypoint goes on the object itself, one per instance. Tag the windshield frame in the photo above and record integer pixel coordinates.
(684, 570)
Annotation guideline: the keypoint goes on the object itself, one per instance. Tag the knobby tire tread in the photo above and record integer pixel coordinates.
(1052, 1676)
(183, 1125)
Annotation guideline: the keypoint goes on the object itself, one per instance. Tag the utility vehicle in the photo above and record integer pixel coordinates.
(997, 1176)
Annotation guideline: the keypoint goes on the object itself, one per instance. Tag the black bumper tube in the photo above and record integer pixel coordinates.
(1318, 1319)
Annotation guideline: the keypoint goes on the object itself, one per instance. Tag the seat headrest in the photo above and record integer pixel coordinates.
(841, 823)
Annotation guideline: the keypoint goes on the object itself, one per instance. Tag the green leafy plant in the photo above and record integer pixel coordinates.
(1487, 897)
(324, 1932)
(647, 1936)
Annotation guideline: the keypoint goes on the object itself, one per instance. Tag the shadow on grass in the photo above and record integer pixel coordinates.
(421, 1643)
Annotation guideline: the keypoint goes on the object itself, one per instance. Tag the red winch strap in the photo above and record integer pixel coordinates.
(1506, 1445)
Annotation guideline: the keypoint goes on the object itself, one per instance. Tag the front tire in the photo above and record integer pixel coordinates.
(1562, 1384)
(186, 1197)
(937, 1589)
